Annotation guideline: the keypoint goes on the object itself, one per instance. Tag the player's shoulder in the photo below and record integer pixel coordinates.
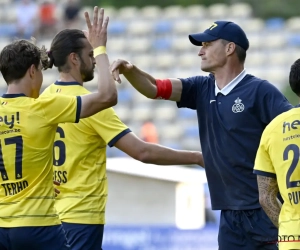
(66, 88)
(48, 90)
(49, 99)
(103, 115)
(286, 117)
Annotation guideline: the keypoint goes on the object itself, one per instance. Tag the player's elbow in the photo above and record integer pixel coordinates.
(112, 99)
(109, 100)
(144, 154)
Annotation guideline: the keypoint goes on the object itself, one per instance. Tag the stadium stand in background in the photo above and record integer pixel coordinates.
(156, 39)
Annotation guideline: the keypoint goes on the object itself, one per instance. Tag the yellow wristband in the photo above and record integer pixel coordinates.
(99, 50)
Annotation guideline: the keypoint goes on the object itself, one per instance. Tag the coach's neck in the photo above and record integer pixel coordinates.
(227, 73)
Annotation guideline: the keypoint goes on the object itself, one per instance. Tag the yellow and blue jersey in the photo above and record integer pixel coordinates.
(80, 160)
(27, 131)
(278, 157)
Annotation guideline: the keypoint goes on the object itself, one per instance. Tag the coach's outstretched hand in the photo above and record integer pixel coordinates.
(97, 31)
(119, 67)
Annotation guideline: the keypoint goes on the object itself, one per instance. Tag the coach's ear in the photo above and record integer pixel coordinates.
(230, 48)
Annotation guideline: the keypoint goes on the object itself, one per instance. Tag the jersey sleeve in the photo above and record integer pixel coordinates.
(61, 108)
(272, 102)
(109, 126)
(263, 164)
(191, 87)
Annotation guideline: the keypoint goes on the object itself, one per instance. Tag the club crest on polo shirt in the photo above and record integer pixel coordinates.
(238, 106)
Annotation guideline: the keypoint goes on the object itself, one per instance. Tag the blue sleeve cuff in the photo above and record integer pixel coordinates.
(78, 111)
(263, 173)
(118, 137)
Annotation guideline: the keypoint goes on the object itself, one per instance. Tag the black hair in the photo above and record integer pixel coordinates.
(294, 77)
(64, 43)
(17, 57)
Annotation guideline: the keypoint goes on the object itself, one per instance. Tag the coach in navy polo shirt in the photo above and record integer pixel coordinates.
(233, 109)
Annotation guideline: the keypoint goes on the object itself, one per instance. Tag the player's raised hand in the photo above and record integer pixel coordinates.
(119, 67)
(97, 31)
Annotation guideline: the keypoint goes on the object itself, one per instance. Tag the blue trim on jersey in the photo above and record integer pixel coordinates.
(78, 111)
(12, 95)
(118, 137)
(263, 173)
(67, 83)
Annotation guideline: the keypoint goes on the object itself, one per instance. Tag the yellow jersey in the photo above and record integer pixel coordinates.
(278, 157)
(27, 131)
(80, 160)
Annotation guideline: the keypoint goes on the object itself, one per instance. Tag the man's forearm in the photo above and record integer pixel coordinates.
(142, 82)
(106, 84)
(272, 207)
(161, 155)
(268, 190)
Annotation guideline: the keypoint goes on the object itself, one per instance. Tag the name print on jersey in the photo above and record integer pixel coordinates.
(14, 188)
(289, 126)
(60, 176)
(10, 121)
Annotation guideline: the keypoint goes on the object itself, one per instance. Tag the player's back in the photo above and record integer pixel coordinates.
(27, 131)
(282, 142)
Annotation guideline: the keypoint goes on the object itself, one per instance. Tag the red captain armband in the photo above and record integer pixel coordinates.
(164, 89)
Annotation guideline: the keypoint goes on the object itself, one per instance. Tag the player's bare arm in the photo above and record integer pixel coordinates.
(142, 81)
(268, 190)
(107, 93)
(157, 154)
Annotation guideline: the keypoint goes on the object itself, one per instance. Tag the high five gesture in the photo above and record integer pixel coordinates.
(97, 38)
(97, 31)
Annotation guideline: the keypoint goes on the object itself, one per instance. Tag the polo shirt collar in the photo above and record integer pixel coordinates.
(226, 90)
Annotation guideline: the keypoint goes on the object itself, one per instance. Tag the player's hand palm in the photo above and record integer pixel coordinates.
(97, 32)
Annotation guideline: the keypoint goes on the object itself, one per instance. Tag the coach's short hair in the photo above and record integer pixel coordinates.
(17, 57)
(240, 52)
(294, 77)
(64, 43)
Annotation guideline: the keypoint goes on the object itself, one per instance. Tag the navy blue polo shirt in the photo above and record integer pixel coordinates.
(230, 127)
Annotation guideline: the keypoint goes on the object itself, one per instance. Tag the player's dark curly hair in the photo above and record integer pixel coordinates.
(294, 77)
(64, 43)
(17, 57)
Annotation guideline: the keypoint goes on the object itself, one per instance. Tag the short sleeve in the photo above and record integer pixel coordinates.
(61, 108)
(263, 164)
(271, 102)
(190, 89)
(108, 125)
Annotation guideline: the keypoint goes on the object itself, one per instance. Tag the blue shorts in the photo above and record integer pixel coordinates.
(33, 238)
(247, 230)
(83, 236)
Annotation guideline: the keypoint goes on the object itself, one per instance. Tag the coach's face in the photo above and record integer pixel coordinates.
(213, 55)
